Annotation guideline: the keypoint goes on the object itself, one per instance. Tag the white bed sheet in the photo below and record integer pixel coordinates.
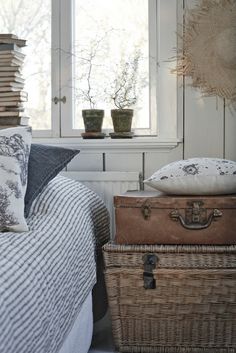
(80, 335)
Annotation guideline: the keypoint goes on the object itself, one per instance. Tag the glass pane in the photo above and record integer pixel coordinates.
(31, 20)
(111, 58)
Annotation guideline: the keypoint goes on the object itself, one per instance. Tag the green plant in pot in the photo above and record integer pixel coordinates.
(124, 95)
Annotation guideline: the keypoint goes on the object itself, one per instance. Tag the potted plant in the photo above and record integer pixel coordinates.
(124, 95)
(93, 118)
(89, 91)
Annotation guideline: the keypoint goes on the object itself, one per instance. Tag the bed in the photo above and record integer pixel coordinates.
(48, 274)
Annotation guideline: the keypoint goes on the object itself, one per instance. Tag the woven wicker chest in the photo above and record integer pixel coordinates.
(172, 299)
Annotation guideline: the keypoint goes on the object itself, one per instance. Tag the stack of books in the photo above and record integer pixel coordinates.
(12, 95)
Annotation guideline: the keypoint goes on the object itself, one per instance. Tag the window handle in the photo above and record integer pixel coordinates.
(56, 100)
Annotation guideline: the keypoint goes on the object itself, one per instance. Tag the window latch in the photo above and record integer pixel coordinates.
(56, 100)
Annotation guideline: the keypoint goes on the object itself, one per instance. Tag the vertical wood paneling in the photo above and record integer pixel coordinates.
(180, 79)
(167, 82)
(156, 160)
(230, 134)
(204, 120)
(123, 162)
(86, 162)
(204, 125)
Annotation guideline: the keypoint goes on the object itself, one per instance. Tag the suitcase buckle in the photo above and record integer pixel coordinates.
(195, 214)
(149, 263)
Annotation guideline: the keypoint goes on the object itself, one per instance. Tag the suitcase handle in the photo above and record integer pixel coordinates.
(196, 224)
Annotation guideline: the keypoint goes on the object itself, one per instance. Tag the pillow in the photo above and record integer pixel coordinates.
(14, 154)
(45, 162)
(196, 176)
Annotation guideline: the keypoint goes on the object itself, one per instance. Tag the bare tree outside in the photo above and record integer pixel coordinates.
(111, 51)
(125, 90)
(90, 76)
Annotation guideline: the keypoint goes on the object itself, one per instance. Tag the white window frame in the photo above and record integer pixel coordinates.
(165, 92)
(55, 130)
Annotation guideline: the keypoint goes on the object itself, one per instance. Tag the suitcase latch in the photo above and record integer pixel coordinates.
(146, 210)
(149, 264)
(196, 216)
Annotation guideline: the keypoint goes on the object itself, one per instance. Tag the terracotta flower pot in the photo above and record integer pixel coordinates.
(122, 119)
(93, 119)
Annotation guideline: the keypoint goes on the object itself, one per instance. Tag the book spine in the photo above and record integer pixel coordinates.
(14, 121)
(19, 42)
(15, 94)
(10, 46)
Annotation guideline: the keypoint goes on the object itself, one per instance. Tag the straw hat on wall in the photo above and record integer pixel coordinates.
(209, 48)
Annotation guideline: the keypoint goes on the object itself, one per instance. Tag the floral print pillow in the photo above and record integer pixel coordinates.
(196, 176)
(14, 154)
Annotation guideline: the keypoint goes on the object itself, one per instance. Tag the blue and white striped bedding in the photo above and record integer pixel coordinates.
(46, 273)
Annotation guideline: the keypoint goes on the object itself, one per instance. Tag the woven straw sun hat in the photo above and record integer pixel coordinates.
(209, 48)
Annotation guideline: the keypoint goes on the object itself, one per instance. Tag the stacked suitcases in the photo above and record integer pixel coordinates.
(178, 296)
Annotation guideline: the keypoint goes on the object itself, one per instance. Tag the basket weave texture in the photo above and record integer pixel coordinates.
(191, 310)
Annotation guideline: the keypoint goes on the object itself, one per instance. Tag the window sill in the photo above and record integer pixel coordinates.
(138, 144)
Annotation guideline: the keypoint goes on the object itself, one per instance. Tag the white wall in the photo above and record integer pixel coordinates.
(209, 126)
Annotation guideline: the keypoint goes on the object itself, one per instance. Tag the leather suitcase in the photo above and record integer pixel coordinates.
(147, 217)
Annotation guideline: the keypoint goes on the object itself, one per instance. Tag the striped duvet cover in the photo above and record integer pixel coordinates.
(47, 272)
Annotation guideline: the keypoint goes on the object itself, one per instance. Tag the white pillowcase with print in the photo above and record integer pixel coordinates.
(14, 155)
(196, 176)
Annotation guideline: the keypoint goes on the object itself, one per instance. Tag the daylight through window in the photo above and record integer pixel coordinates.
(96, 53)
(31, 20)
(111, 58)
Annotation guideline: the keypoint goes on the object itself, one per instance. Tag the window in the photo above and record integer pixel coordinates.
(111, 51)
(109, 47)
(77, 51)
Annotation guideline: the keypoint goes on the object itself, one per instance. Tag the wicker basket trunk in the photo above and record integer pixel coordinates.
(191, 307)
